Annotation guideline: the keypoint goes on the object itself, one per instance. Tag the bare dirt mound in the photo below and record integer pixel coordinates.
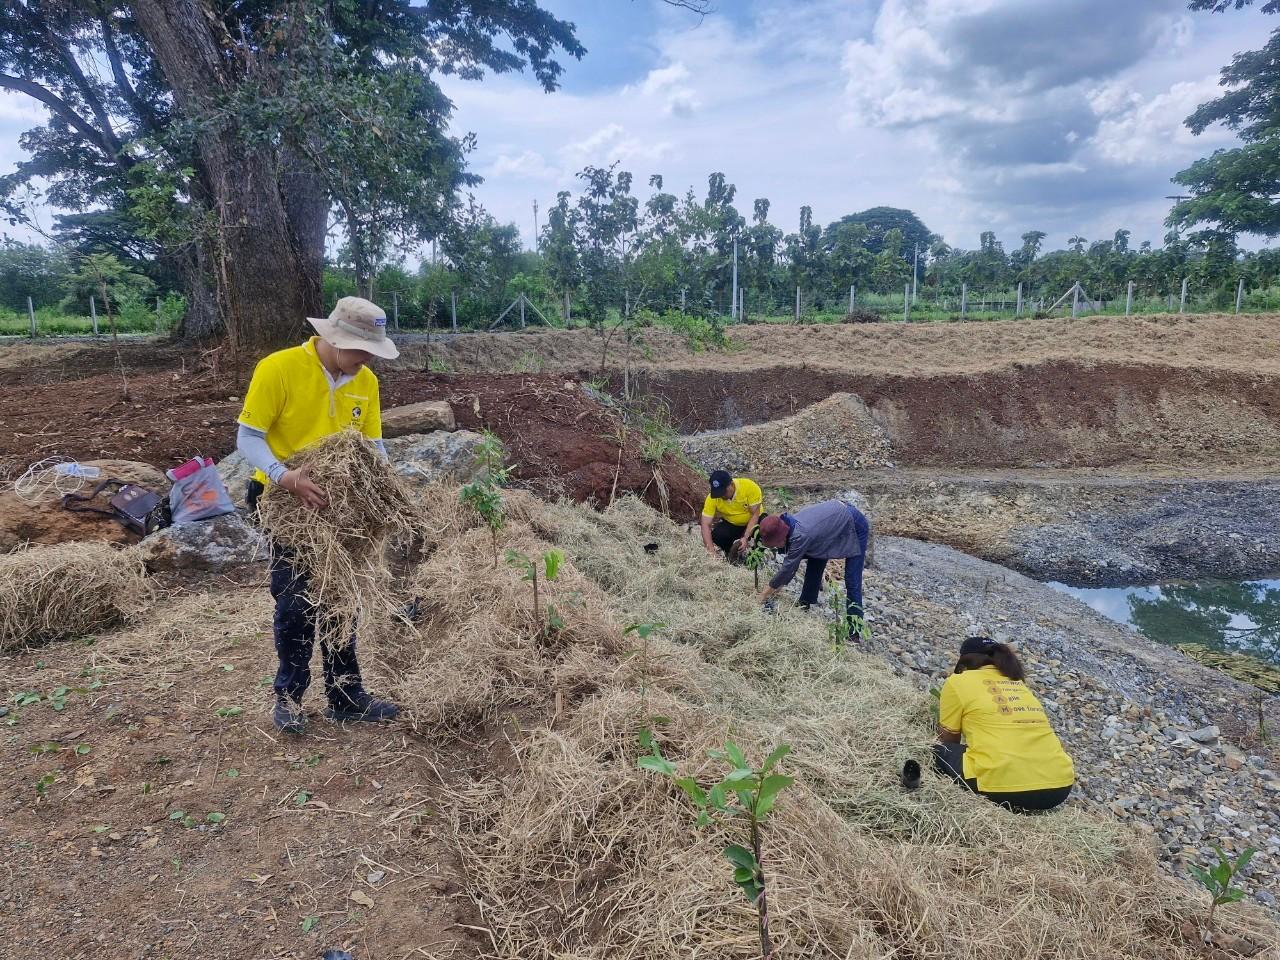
(837, 433)
(564, 442)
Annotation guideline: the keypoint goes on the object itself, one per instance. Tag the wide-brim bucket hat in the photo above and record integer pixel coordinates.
(356, 324)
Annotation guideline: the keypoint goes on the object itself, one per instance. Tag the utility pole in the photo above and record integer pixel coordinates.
(1075, 300)
(1182, 300)
(1017, 311)
(906, 303)
(395, 309)
(1239, 295)
(31, 312)
(453, 309)
(964, 300)
(1128, 299)
(851, 298)
(535, 226)
(733, 309)
(797, 303)
(915, 271)
(93, 312)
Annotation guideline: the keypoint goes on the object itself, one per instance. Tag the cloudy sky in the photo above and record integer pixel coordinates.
(1009, 115)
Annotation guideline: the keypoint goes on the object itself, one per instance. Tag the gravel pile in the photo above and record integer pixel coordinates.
(1163, 743)
(838, 433)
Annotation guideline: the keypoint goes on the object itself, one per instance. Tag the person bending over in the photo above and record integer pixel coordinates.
(1010, 755)
(296, 397)
(830, 530)
(730, 514)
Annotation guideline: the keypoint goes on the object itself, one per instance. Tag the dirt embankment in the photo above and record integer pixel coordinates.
(159, 407)
(1051, 414)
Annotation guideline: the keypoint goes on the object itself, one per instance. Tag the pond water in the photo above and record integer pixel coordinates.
(1238, 616)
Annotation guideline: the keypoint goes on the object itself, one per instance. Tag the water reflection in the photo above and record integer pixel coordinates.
(1228, 615)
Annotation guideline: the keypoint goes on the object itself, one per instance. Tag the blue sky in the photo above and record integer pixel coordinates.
(1009, 115)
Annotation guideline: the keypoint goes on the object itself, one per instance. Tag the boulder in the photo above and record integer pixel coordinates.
(46, 522)
(236, 473)
(432, 457)
(221, 543)
(425, 417)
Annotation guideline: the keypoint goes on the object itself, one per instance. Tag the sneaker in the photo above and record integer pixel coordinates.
(288, 716)
(360, 706)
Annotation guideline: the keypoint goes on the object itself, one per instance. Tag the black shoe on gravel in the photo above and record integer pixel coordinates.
(361, 707)
(288, 716)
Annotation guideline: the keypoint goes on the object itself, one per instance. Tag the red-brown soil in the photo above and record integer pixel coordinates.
(100, 862)
(563, 442)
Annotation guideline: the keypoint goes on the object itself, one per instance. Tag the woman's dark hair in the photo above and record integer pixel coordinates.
(978, 652)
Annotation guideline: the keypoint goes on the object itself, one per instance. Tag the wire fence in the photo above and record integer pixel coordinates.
(463, 311)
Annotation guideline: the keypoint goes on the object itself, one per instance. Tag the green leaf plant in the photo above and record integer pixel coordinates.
(484, 494)
(552, 560)
(1217, 881)
(745, 793)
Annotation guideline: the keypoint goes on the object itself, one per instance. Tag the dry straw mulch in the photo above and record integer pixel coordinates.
(575, 853)
(68, 590)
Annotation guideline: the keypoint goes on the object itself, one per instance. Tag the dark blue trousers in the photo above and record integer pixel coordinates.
(295, 635)
(814, 567)
(295, 631)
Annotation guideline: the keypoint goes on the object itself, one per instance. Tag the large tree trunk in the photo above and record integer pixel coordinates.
(267, 288)
(202, 320)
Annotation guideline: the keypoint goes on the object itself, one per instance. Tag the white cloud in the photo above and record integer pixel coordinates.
(1137, 130)
(526, 165)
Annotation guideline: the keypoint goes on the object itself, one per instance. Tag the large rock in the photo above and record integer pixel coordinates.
(221, 543)
(432, 457)
(236, 473)
(425, 417)
(47, 522)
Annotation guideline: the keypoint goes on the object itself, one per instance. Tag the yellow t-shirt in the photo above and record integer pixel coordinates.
(290, 399)
(746, 494)
(1011, 746)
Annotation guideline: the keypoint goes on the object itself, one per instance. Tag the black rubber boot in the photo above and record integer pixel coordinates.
(288, 716)
(360, 707)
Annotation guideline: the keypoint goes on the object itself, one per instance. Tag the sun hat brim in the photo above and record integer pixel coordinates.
(333, 334)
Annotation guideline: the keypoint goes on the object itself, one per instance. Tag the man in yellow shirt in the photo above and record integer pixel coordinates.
(296, 397)
(731, 514)
(1011, 754)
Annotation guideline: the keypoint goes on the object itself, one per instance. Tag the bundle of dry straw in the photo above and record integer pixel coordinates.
(68, 590)
(578, 854)
(342, 549)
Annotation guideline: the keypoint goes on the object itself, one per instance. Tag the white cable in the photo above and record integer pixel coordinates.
(52, 479)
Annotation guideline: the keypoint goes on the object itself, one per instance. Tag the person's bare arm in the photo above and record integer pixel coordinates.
(299, 483)
(706, 536)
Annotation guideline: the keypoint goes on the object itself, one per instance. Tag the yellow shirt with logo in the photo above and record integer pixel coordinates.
(292, 400)
(737, 511)
(1010, 745)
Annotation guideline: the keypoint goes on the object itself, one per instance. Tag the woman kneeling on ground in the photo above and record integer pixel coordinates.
(1012, 756)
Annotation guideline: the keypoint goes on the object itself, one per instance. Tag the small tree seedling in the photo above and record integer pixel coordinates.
(644, 631)
(484, 494)
(755, 790)
(1217, 881)
(551, 562)
(754, 559)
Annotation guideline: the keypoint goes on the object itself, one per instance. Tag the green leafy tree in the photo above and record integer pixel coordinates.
(1238, 190)
(252, 99)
